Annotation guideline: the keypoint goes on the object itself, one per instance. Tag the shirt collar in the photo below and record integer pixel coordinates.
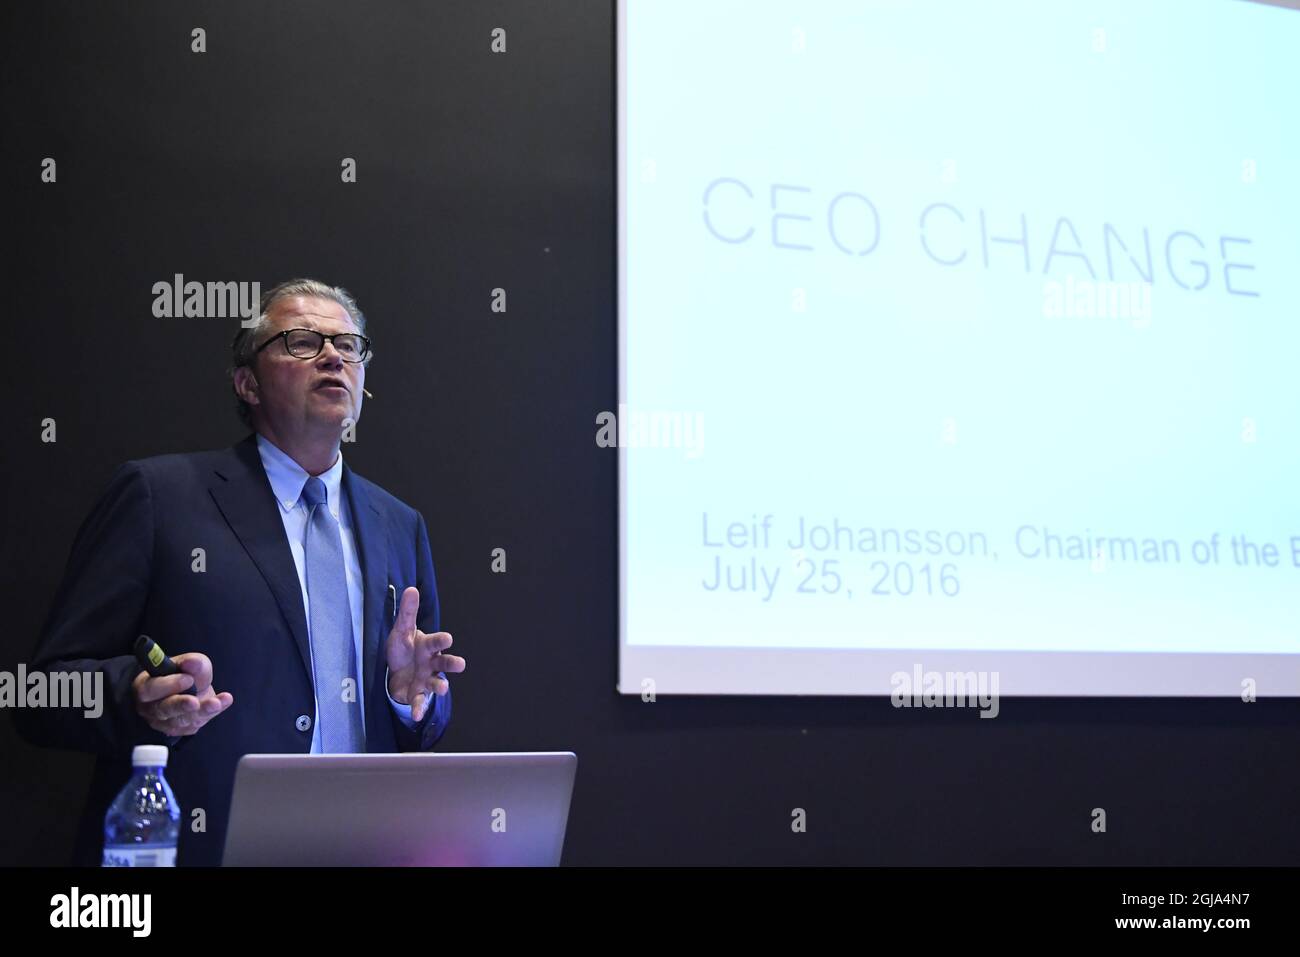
(288, 477)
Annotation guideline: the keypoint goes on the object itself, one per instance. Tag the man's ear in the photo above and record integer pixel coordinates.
(246, 385)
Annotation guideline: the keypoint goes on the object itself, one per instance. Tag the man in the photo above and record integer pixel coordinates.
(297, 597)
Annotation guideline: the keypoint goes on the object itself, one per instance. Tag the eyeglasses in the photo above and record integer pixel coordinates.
(308, 343)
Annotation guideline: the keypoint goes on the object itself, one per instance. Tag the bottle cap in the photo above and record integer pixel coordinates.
(149, 756)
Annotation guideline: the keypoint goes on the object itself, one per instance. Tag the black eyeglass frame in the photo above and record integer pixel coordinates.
(365, 344)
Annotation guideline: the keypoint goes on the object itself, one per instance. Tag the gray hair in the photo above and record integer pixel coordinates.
(244, 346)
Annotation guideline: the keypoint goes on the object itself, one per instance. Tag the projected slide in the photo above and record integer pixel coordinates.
(959, 336)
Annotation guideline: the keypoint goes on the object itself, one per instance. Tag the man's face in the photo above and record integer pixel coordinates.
(301, 398)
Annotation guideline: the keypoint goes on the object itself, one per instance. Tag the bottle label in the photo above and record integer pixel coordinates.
(135, 855)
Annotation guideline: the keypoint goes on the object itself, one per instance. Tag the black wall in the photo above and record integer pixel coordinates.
(478, 171)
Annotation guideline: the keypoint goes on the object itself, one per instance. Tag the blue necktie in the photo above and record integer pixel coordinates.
(332, 649)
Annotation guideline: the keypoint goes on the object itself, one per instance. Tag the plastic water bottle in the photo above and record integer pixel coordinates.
(144, 820)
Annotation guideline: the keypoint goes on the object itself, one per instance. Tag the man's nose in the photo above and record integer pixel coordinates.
(332, 356)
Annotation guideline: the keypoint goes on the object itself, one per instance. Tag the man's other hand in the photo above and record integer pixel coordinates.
(163, 706)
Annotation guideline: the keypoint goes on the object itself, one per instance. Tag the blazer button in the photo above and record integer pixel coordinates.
(303, 723)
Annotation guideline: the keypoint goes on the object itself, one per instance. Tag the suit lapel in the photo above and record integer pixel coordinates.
(372, 551)
(245, 498)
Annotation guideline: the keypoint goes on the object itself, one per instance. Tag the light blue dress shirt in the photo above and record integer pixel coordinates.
(287, 479)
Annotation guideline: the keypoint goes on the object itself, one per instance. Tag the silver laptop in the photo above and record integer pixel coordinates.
(414, 809)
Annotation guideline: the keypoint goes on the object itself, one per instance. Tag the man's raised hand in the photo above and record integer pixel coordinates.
(415, 658)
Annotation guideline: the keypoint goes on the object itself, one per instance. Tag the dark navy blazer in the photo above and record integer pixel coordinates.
(131, 572)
